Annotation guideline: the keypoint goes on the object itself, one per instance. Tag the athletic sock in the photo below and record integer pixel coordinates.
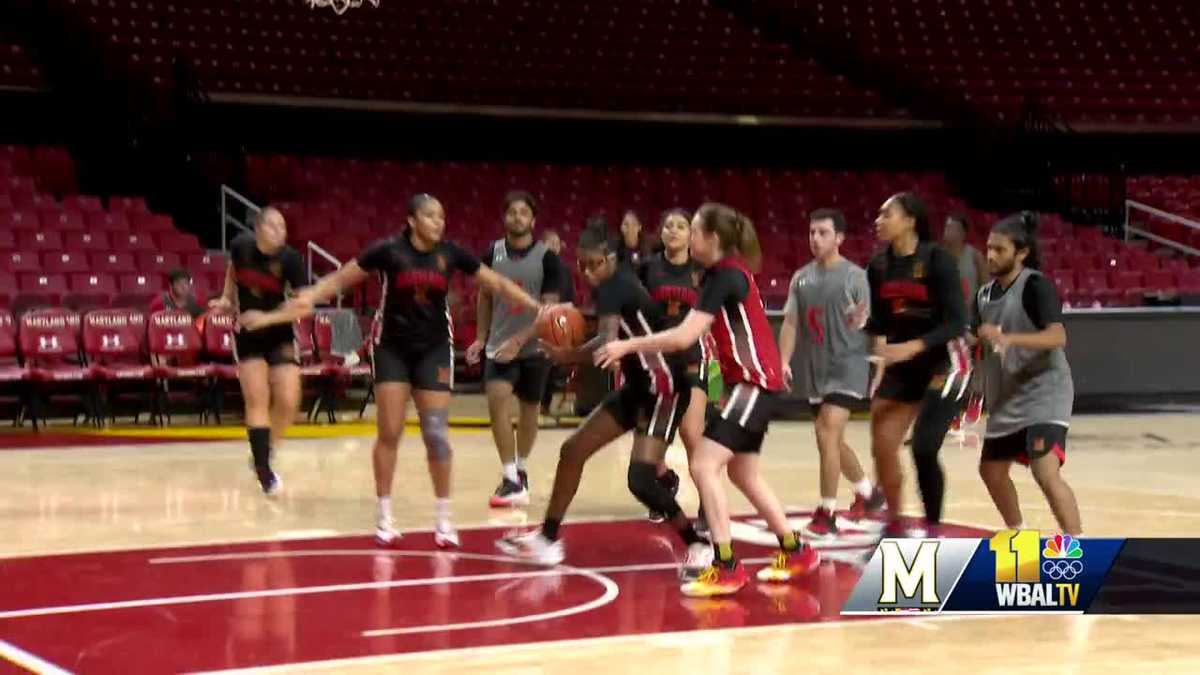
(441, 509)
(864, 488)
(260, 449)
(550, 528)
(724, 554)
(829, 504)
(788, 542)
(510, 472)
(385, 507)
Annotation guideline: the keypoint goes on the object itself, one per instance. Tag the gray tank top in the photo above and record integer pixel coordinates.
(509, 319)
(1023, 387)
(831, 356)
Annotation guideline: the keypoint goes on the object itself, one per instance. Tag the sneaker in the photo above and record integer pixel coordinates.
(509, 494)
(445, 536)
(716, 580)
(269, 481)
(524, 476)
(669, 480)
(791, 565)
(823, 524)
(532, 546)
(698, 558)
(868, 507)
(386, 533)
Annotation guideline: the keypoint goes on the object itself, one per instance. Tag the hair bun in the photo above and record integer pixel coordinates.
(1029, 219)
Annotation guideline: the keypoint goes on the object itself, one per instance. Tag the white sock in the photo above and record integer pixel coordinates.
(829, 504)
(1018, 526)
(864, 488)
(441, 509)
(510, 472)
(385, 507)
(520, 463)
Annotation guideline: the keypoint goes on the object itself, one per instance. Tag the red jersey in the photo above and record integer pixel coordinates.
(746, 345)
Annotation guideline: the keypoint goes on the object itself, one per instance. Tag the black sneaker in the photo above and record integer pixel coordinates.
(524, 479)
(669, 480)
(508, 494)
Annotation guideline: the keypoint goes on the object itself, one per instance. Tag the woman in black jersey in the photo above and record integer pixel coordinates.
(673, 280)
(262, 269)
(918, 318)
(651, 403)
(414, 352)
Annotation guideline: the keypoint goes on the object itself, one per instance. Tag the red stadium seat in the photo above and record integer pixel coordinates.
(113, 262)
(132, 242)
(49, 340)
(40, 240)
(108, 222)
(90, 291)
(86, 241)
(64, 262)
(137, 290)
(175, 346)
(11, 369)
(157, 262)
(38, 290)
(20, 261)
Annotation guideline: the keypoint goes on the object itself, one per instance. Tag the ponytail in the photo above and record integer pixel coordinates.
(735, 232)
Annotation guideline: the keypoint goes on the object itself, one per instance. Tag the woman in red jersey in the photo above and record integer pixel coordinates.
(725, 243)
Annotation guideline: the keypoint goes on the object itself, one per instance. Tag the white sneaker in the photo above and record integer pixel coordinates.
(698, 558)
(385, 531)
(445, 536)
(274, 487)
(532, 546)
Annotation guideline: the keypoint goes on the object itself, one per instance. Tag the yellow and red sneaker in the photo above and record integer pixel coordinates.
(791, 565)
(716, 580)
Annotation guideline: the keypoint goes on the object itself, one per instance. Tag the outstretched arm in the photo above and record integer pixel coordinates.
(686, 334)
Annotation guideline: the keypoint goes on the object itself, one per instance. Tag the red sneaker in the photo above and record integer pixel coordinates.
(823, 524)
(974, 410)
(869, 507)
(788, 566)
(716, 580)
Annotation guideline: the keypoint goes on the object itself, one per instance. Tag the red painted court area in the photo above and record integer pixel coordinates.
(272, 603)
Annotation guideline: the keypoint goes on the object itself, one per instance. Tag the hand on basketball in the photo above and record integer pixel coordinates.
(609, 355)
(252, 320)
(474, 352)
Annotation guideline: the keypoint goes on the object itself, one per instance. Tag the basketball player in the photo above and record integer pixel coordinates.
(262, 270)
(918, 318)
(515, 363)
(414, 353)
(1028, 379)
(724, 241)
(972, 270)
(655, 397)
(673, 280)
(827, 306)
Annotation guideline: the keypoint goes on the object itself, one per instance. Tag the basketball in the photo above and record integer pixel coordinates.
(565, 327)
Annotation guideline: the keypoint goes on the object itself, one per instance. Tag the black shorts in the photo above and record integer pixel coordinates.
(1032, 442)
(636, 406)
(276, 345)
(527, 376)
(912, 380)
(740, 422)
(429, 369)
(847, 401)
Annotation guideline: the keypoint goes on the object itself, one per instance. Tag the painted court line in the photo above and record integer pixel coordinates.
(30, 662)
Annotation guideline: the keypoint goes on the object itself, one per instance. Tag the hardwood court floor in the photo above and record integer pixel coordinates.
(1134, 476)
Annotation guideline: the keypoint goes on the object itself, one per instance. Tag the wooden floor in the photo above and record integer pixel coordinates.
(1133, 475)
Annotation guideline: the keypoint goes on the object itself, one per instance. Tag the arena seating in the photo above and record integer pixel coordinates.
(17, 69)
(659, 55)
(1090, 61)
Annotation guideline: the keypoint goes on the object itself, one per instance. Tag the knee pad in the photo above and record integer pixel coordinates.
(435, 431)
(643, 483)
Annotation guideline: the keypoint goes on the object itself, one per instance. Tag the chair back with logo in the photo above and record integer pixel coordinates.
(50, 337)
(172, 336)
(112, 336)
(218, 335)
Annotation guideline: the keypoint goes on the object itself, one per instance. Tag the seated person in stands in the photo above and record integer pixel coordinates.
(178, 295)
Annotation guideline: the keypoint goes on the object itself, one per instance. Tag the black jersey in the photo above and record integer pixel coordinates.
(262, 279)
(622, 295)
(415, 284)
(676, 289)
(918, 296)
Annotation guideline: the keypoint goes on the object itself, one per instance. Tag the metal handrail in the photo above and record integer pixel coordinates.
(314, 249)
(226, 219)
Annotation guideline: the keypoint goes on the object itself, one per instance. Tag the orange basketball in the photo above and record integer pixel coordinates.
(564, 328)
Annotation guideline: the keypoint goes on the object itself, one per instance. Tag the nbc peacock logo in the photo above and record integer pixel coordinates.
(1062, 558)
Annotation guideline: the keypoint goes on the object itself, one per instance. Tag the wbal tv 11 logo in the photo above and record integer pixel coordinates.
(1032, 575)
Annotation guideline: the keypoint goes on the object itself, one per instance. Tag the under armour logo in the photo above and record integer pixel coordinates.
(48, 343)
(175, 341)
(110, 342)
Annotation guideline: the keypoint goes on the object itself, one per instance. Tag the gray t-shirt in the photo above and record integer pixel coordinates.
(831, 354)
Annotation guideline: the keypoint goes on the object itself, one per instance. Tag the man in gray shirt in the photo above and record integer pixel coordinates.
(514, 362)
(1030, 393)
(827, 305)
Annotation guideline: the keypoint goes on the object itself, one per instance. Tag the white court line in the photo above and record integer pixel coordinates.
(593, 573)
(30, 662)
(701, 637)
